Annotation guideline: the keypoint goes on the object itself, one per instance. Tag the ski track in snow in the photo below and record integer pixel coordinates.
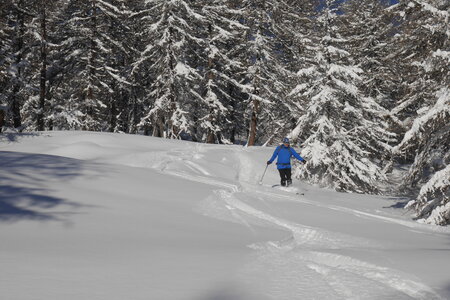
(347, 210)
(333, 274)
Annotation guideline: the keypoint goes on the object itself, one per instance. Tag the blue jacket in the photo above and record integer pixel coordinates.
(284, 156)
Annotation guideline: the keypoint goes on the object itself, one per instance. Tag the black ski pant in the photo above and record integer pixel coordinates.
(285, 175)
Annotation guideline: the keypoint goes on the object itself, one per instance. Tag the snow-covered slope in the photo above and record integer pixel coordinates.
(110, 216)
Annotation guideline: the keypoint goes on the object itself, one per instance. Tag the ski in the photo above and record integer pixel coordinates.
(279, 185)
(276, 185)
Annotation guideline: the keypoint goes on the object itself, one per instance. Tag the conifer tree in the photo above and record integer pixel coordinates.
(4, 50)
(430, 134)
(224, 38)
(433, 202)
(302, 38)
(423, 109)
(419, 53)
(15, 63)
(42, 38)
(372, 24)
(264, 73)
(339, 127)
(95, 48)
(172, 31)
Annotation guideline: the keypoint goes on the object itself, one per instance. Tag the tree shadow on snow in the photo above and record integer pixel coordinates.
(10, 137)
(229, 292)
(21, 178)
(400, 202)
(447, 292)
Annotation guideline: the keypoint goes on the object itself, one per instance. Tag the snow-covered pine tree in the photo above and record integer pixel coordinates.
(302, 40)
(419, 52)
(292, 27)
(122, 43)
(132, 114)
(237, 129)
(224, 35)
(15, 63)
(430, 133)
(94, 55)
(433, 203)
(423, 109)
(370, 27)
(339, 127)
(172, 34)
(265, 74)
(5, 47)
(373, 25)
(41, 38)
(428, 140)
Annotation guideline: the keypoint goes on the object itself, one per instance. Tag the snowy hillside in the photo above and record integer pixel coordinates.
(113, 216)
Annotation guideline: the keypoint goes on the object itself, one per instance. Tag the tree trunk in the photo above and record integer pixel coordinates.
(171, 130)
(233, 120)
(14, 102)
(255, 109)
(233, 135)
(134, 116)
(211, 136)
(14, 108)
(91, 70)
(43, 78)
(253, 124)
(158, 129)
(113, 117)
(2, 119)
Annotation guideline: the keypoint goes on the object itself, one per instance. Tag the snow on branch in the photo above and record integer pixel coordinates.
(441, 110)
(433, 203)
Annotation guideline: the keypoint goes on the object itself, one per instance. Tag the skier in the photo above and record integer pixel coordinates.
(284, 153)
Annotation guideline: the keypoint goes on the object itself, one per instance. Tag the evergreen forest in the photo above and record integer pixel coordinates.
(361, 87)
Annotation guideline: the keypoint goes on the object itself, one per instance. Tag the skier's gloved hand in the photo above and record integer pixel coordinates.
(303, 161)
(268, 162)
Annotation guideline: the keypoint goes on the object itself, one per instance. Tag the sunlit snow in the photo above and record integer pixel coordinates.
(113, 216)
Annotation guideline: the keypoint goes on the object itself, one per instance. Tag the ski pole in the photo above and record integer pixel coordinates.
(260, 181)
